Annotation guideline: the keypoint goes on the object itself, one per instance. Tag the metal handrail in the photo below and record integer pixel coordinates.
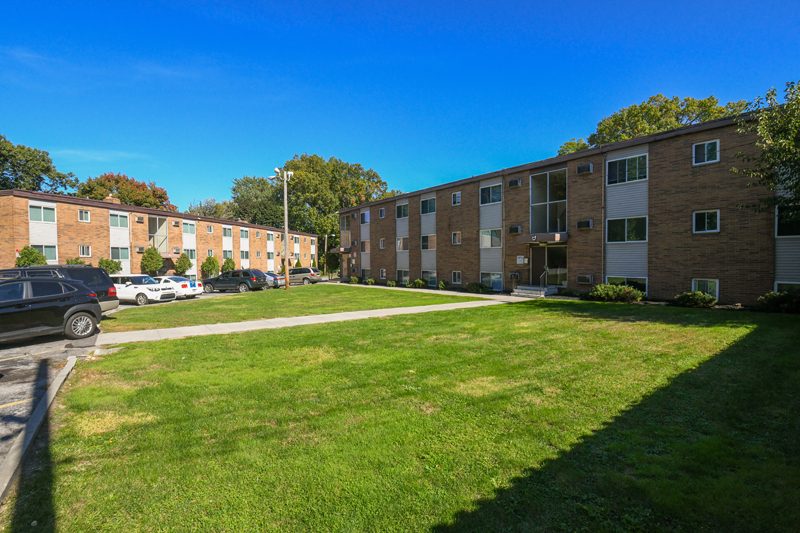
(543, 280)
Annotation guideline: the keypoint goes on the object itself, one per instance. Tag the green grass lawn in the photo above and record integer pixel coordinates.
(537, 416)
(321, 299)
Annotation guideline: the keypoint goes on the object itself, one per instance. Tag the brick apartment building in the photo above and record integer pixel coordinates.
(65, 227)
(659, 213)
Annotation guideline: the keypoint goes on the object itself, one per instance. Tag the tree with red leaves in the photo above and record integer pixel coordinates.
(127, 190)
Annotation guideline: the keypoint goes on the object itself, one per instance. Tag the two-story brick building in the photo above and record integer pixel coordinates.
(66, 227)
(661, 213)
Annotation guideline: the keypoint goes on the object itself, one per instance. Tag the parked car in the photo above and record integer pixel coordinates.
(93, 277)
(304, 275)
(276, 280)
(30, 307)
(184, 288)
(141, 289)
(245, 280)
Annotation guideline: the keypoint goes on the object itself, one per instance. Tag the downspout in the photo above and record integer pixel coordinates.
(603, 223)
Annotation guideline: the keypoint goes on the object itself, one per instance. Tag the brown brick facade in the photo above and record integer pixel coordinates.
(72, 233)
(464, 218)
(383, 228)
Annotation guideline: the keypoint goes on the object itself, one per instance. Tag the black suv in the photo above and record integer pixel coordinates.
(237, 280)
(30, 307)
(93, 277)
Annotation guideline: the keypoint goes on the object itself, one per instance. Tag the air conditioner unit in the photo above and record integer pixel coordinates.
(140, 249)
(140, 220)
(585, 168)
(514, 275)
(585, 279)
(355, 215)
(354, 243)
(516, 182)
(176, 223)
(176, 250)
(587, 223)
(514, 230)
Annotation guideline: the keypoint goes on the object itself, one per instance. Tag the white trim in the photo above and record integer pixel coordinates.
(209, 229)
(453, 197)
(705, 162)
(382, 273)
(49, 261)
(88, 213)
(459, 238)
(480, 238)
(43, 206)
(427, 200)
(645, 278)
(776, 229)
(382, 212)
(548, 201)
(429, 242)
(694, 227)
(395, 211)
(80, 246)
(452, 277)
(775, 285)
(382, 243)
(428, 281)
(492, 274)
(646, 229)
(646, 154)
(706, 279)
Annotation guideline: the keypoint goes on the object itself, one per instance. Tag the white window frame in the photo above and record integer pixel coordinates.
(258, 254)
(227, 254)
(81, 212)
(435, 277)
(187, 250)
(210, 252)
(382, 244)
(209, 228)
(775, 286)
(453, 238)
(189, 226)
(364, 247)
(424, 200)
(453, 277)
(270, 237)
(397, 244)
(696, 164)
(43, 207)
(42, 246)
(400, 277)
(119, 253)
(645, 278)
(646, 230)
(776, 229)
(363, 218)
(456, 198)
(244, 254)
(647, 165)
(695, 280)
(80, 250)
(270, 254)
(406, 210)
(480, 194)
(694, 221)
(244, 234)
(383, 273)
(480, 236)
(490, 277)
(421, 247)
(258, 235)
(382, 212)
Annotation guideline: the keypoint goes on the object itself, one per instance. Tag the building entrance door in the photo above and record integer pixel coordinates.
(538, 263)
(557, 265)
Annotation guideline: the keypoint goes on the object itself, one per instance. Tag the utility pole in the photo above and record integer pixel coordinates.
(285, 177)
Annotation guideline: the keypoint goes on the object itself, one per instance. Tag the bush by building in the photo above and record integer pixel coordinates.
(695, 299)
(606, 292)
(780, 302)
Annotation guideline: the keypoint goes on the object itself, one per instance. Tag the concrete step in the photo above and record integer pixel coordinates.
(533, 291)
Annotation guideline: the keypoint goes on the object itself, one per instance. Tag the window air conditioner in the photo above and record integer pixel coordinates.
(140, 220)
(515, 230)
(586, 224)
(176, 223)
(176, 250)
(140, 249)
(516, 182)
(585, 279)
(585, 168)
(355, 215)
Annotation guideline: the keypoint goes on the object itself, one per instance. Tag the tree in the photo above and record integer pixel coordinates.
(228, 264)
(212, 208)
(256, 200)
(210, 267)
(777, 165)
(657, 113)
(30, 256)
(183, 264)
(152, 261)
(128, 190)
(298, 264)
(30, 169)
(109, 265)
(75, 261)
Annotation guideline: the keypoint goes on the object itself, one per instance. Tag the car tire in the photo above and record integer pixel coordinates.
(208, 287)
(141, 299)
(243, 287)
(192, 296)
(80, 326)
(306, 281)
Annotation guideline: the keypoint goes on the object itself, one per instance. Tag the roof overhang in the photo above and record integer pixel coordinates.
(543, 238)
(340, 250)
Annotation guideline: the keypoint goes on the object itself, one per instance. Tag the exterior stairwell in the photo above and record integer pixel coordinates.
(533, 291)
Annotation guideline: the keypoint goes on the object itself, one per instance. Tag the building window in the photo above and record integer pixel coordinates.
(49, 252)
(188, 227)
(456, 277)
(365, 247)
(365, 273)
(430, 277)
(491, 238)
(493, 280)
(707, 152)
(457, 198)
(42, 214)
(383, 273)
(245, 254)
(270, 237)
(402, 276)
(625, 170)
(313, 241)
(402, 244)
(270, 255)
(120, 254)
(355, 270)
(305, 256)
(258, 235)
(227, 254)
(84, 216)
(244, 234)
(402, 211)
(84, 251)
(227, 232)
(118, 221)
(258, 255)
(640, 284)
(706, 286)
(313, 260)
(791, 286)
(549, 202)
(706, 221)
(365, 217)
(297, 240)
(626, 229)
(305, 240)
(428, 242)
(492, 194)
(210, 252)
(191, 253)
(381, 212)
(209, 229)
(427, 206)
(456, 238)
(786, 226)
(382, 244)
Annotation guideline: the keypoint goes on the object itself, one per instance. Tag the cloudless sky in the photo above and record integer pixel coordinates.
(194, 94)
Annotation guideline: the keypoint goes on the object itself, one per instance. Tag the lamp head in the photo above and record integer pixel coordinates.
(278, 171)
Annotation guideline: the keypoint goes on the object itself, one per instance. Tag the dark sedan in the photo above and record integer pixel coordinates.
(30, 307)
(237, 280)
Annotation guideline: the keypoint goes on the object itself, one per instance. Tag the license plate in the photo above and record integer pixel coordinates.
(193, 284)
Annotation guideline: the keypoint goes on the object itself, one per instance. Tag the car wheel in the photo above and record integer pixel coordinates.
(208, 287)
(141, 299)
(192, 296)
(243, 287)
(80, 326)
(306, 281)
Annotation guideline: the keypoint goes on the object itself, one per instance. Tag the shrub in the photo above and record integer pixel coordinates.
(443, 285)
(780, 302)
(228, 264)
(478, 288)
(109, 265)
(391, 284)
(606, 292)
(354, 280)
(695, 299)
(151, 261)
(30, 256)
(210, 267)
(183, 264)
(369, 281)
(75, 261)
(416, 284)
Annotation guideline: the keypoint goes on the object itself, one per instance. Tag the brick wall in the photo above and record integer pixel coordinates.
(516, 208)
(72, 233)
(139, 237)
(383, 228)
(464, 218)
(585, 201)
(9, 223)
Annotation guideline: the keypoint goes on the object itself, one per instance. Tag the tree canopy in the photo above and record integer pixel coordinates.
(211, 208)
(128, 190)
(256, 200)
(30, 169)
(657, 113)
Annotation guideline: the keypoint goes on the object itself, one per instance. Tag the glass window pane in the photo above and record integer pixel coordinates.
(699, 154)
(50, 253)
(485, 195)
(711, 221)
(558, 185)
(123, 222)
(48, 214)
(558, 217)
(633, 169)
(496, 236)
(497, 282)
(616, 230)
(613, 167)
(486, 239)
(497, 193)
(123, 254)
(11, 291)
(539, 218)
(711, 151)
(642, 164)
(616, 281)
(640, 284)
(637, 229)
(46, 288)
(699, 221)
(35, 213)
(539, 188)
(486, 278)
(712, 287)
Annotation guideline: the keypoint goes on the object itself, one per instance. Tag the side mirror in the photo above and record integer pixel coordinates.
(128, 283)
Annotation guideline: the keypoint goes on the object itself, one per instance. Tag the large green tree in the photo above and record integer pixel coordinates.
(256, 200)
(211, 208)
(777, 165)
(657, 113)
(128, 190)
(30, 169)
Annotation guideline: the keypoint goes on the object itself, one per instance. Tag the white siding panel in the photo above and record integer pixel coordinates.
(402, 260)
(428, 260)
(402, 227)
(244, 244)
(491, 216)
(426, 196)
(492, 181)
(627, 200)
(627, 259)
(364, 232)
(45, 233)
(491, 259)
(787, 259)
(427, 224)
(628, 152)
(364, 261)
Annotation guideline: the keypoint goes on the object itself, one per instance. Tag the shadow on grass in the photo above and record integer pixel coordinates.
(715, 450)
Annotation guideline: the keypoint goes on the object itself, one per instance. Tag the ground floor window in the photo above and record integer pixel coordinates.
(383, 273)
(456, 277)
(402, 276)
(640, 284)
(191, 253)
(120, 254)
(430, 277)
(706, 286)
(245, 254)
(493, 280)
(270, 255)
(49, 252)
(85, 251)
(193, 277)
(227, 254)
(365, 273)
(210, 253)
(792, 286)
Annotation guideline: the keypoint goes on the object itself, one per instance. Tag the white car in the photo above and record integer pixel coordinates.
(184, 288)
(140, 289)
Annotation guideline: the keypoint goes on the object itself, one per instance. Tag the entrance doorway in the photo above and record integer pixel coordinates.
(549, 264)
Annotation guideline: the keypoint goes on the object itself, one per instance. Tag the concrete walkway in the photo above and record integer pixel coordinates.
(105, 339)
(492, 296)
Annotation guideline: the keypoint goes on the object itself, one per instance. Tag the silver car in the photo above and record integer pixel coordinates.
(304, 275)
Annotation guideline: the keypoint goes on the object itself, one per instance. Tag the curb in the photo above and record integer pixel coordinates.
(13, 461)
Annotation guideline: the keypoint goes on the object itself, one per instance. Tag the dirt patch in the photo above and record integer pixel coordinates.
(96, 422)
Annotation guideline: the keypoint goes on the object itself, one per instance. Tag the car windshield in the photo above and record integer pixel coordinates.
(178, 279)
(143, 280)
(257, 273)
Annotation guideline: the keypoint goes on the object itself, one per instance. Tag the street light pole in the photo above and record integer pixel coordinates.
(286, 176)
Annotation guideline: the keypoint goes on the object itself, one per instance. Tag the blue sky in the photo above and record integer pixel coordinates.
(194, 94)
